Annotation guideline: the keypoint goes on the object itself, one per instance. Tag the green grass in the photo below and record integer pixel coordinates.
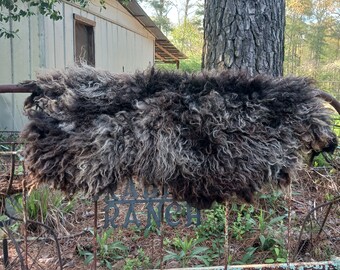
(45, 205)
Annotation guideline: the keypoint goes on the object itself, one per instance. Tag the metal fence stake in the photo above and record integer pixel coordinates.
(324, 220)
(289, 203)
(24, 202)
(11, 178)
(95, 225)
(161, 231)
(5, 252)
(226, 236)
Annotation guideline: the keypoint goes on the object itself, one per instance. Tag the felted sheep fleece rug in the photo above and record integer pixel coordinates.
(206, 136)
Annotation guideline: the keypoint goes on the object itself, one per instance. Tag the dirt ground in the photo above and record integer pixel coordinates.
(310, 190)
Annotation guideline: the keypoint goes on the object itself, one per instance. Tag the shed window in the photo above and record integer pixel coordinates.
(84, 40)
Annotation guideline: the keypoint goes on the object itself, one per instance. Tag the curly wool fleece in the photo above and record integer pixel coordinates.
(207, 136)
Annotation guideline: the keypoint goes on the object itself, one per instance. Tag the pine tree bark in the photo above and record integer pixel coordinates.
(244, 35)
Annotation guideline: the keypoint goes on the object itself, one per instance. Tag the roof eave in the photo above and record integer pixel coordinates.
(165, 51)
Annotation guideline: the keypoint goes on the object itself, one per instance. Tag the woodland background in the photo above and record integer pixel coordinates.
(312, 36)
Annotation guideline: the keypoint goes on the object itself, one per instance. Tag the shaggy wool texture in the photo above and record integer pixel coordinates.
(207, 136)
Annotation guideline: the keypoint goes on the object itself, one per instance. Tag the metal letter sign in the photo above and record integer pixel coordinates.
(129, 208)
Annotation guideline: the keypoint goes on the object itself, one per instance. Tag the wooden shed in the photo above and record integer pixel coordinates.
(119, 38)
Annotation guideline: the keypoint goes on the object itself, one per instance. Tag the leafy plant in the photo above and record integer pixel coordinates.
(278, 252)
(266, 222)
(280, 256)
(273, 200)
(213, 224)
(153, 228)
(248, 257)
(187, 250)
(319, 160)
(177, 213)
(167, 242)
(244, 222)
(270, 228)
(107, 251)
(140, 262)
(216, 251)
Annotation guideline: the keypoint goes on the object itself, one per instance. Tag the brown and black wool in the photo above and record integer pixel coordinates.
(206, 136)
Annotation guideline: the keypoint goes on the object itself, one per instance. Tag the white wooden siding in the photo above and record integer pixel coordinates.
(6, 72)
(122, 44)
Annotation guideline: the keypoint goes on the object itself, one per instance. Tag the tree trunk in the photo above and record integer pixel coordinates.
(244, 35)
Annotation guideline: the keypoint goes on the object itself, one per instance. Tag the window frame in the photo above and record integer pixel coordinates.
(77, 19)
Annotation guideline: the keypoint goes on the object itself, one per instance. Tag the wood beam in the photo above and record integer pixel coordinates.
(160, 57)
(14, 88)
(84, 20)
(167, 52)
